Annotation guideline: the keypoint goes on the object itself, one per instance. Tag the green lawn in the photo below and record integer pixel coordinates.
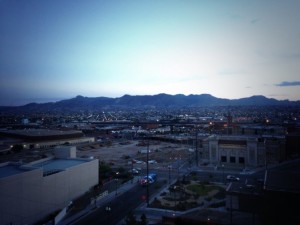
(201, 189)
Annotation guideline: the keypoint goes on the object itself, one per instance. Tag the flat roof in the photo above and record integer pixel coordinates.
(49, 167)
(41, 132)
(10, 170)
(56, 165)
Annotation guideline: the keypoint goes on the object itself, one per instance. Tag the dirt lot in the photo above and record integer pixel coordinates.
(119, 154)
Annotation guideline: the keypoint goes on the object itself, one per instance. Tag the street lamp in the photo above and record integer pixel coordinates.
(208, 220)
(197, 159)
(116, 183)
(223, 173)
(169, 167)
(148, 173)
(108, 210)
(132, 171)
(266, 154)
(178, 166)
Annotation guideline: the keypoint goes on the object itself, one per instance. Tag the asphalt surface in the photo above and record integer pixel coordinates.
(118, 207)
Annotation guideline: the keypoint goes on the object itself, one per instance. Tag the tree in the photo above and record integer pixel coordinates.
(17, 148)
(143, 220)
(104, 171)
(130, 219)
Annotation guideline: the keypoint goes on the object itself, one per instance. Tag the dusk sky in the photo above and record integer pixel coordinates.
(57, 49)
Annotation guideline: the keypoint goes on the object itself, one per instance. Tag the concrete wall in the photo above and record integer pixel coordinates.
(20, 197)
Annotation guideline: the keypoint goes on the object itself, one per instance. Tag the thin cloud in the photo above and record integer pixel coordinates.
(288, 83)
(236, 16)
(279, 55)
(231, 72)
(254, 21)
(289, 55)
(278, 95)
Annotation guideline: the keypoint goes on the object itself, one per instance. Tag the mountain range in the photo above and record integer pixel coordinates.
(145, 101)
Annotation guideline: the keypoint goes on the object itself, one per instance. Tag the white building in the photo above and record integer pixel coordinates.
(30, 192)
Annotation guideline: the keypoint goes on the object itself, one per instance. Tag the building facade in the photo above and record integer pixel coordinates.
(242, 151)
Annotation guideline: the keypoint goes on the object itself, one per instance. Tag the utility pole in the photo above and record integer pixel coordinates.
(196, 148)
(117, 173)
(266, 155)
(108, 210)
(148, 173)
(169, 167)
(132, 171)
(231, 209)
(223, 173)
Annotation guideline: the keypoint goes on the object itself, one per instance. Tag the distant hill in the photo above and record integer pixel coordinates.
(80, 103)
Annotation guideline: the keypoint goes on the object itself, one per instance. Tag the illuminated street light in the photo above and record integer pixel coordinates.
(116, 183)
(223, 173)
(108, 210)
(169, 167)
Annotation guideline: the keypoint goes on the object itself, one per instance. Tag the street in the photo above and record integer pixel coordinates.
(118, 208)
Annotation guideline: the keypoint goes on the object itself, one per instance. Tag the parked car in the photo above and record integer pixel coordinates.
(246, 171)
(232, 178)
(134, 171)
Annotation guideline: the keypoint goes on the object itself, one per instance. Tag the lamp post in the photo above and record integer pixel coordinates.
(132, 171)
(208, 220)
(116, 183)
(266, 154)
(108, 210)
(197, 164)
(148, 173)
(178, 166)
(223, 173)
(169, 167)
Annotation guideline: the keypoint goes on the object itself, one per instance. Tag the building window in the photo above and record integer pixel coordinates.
(223, 159)
(232, 159)
(241, 160)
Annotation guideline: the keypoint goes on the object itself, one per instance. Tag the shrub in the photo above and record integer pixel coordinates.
(163, 194)
(220, 194)
(208, 199)
(217, 204)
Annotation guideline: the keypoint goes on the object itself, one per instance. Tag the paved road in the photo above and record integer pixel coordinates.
(120, 206)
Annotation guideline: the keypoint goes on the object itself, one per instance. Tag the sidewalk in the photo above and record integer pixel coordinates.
(68, 220)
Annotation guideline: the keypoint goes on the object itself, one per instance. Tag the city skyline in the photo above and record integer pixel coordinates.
(54, 50)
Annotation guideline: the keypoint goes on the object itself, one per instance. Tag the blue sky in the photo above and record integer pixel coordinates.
(57, 49)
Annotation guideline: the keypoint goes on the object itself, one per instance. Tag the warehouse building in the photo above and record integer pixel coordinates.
(45, 138)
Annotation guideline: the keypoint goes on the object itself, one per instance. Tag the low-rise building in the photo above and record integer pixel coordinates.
(45, 138)
(30, 192)
(272, 200)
